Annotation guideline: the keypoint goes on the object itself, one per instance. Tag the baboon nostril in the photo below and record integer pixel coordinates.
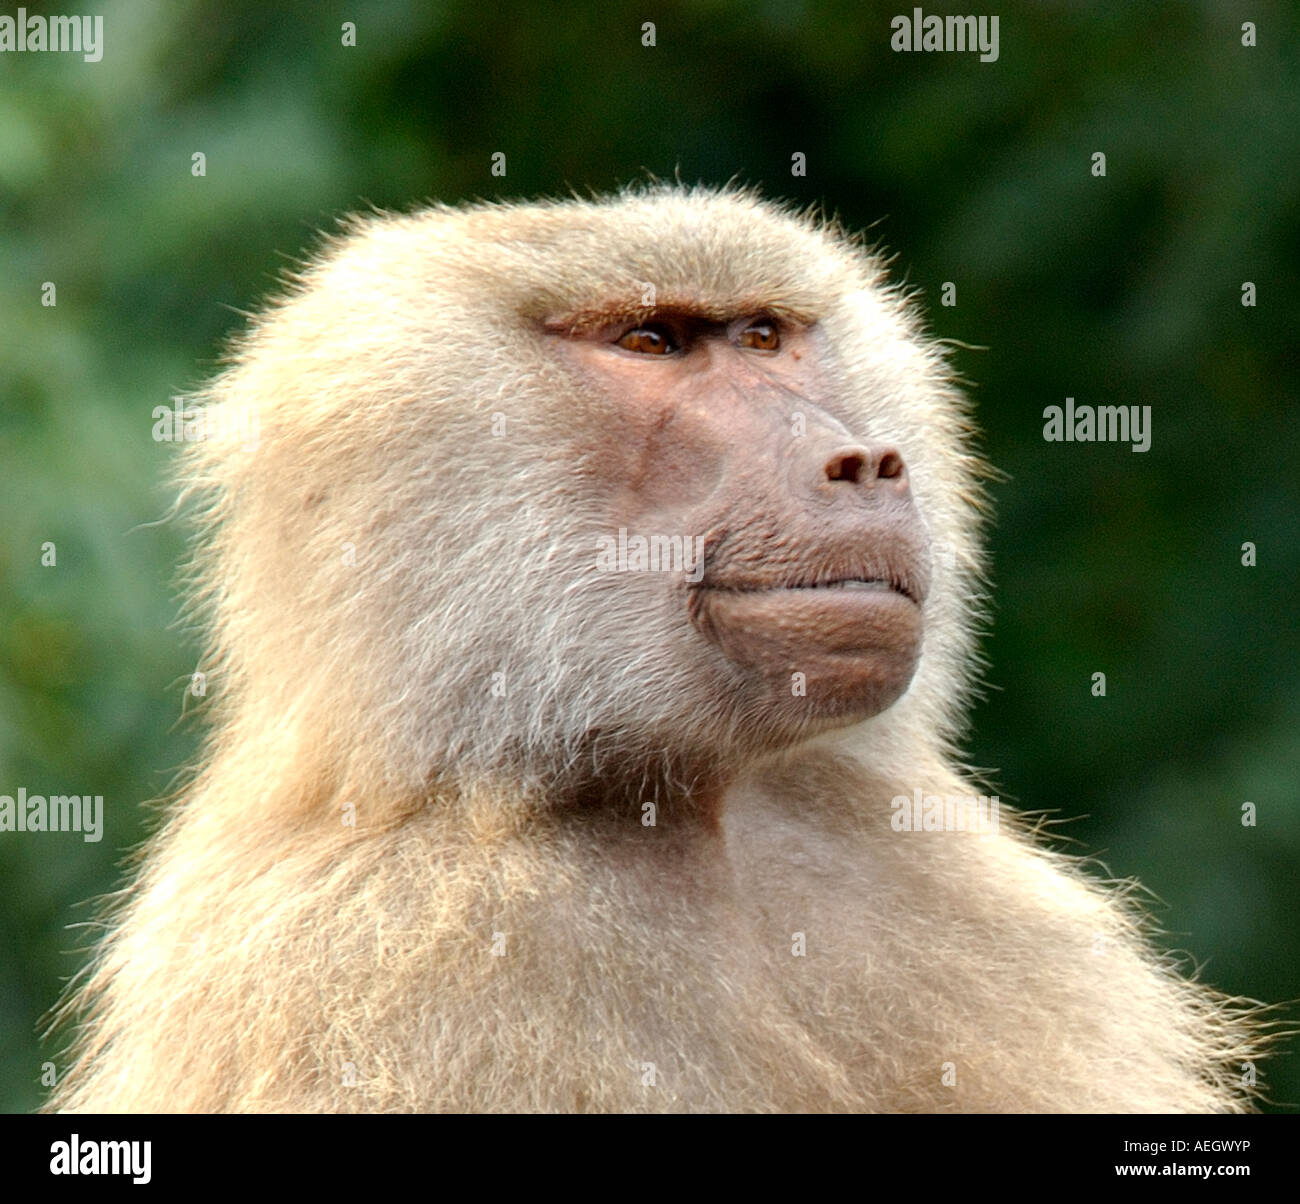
(891, 466)
(846, 466)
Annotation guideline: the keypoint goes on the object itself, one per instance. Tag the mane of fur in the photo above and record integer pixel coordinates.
(270, 955)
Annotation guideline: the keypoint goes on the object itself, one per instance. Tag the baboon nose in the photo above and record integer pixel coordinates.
(867, 464)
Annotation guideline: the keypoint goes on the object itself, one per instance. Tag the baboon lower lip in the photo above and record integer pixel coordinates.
(840, 615)
(855, 639)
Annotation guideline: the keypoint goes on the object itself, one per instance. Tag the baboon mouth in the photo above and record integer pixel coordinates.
(853, 583)
(863, 584)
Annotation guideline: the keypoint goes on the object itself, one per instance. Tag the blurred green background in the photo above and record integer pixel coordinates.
(1120, 290)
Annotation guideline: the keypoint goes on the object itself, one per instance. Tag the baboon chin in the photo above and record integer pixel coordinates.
(602, 577)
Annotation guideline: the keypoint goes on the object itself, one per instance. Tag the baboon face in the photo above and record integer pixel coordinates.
(815, 560)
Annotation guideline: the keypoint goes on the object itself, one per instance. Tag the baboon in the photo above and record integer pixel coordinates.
(601, 584)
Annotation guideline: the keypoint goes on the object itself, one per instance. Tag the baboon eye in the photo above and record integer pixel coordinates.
(761, 336)
(648, 340)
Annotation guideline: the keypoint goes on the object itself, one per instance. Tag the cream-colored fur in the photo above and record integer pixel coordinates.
(379, 892)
